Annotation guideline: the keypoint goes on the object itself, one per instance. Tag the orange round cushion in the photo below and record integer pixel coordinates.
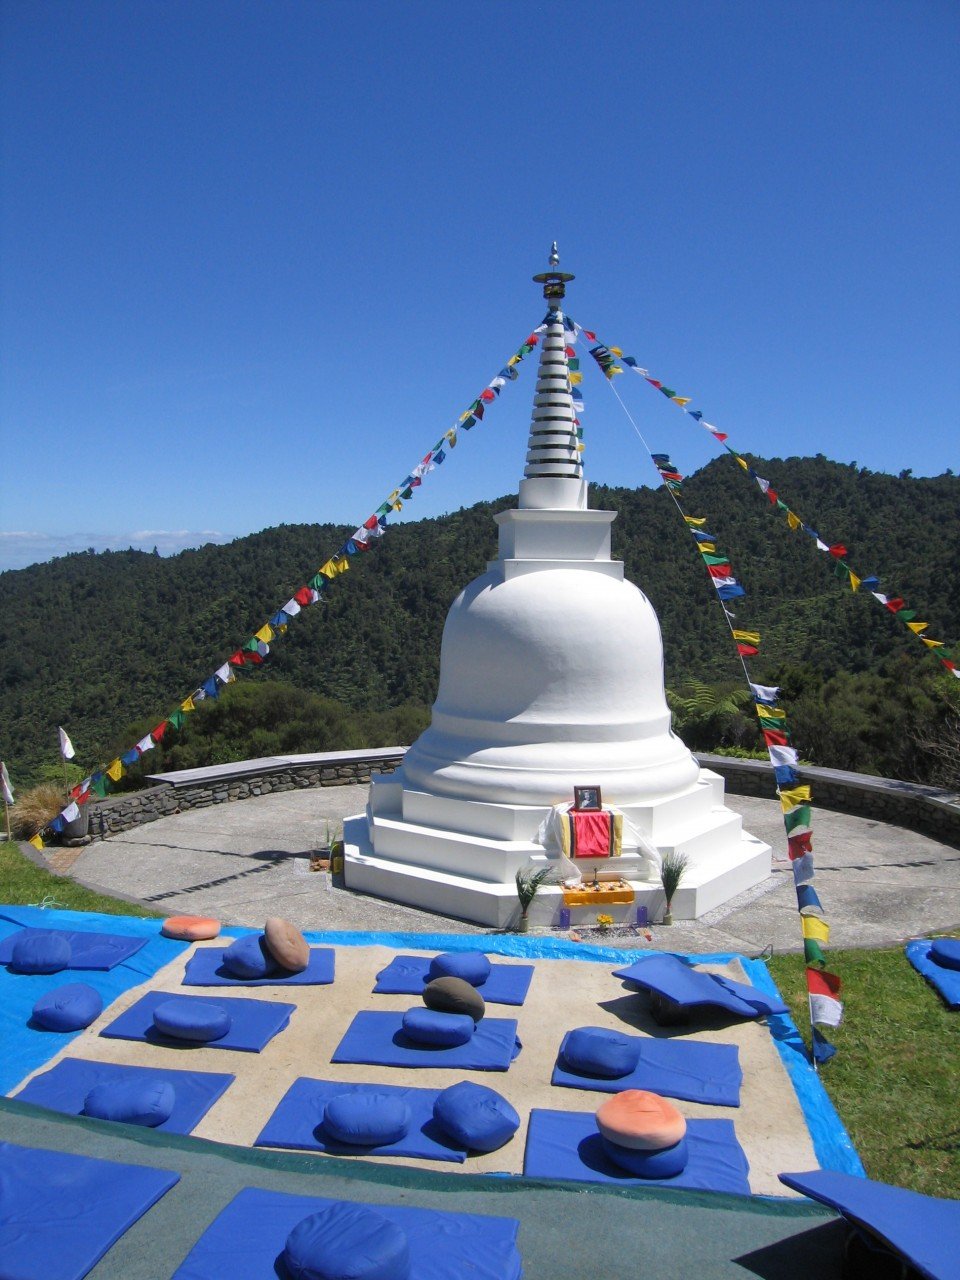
(286, 944)
(641, 1121)
(190, 928)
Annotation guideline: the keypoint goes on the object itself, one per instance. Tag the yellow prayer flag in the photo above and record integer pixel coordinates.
(815, 928)
(329, 570)
(615, 351)
(932, 644)
(917, 627)
(708, 548)
(680, 400)
(465, 416)
(115, 770)
(36, 841)
(513, 360)
(854, 581)
(576, 379)
(748, 637)
(188, 704)
(770, 713)
(793, 521)
(450, 437)
(695, 520)
(790, 798)
(266, 633)
(743, 463)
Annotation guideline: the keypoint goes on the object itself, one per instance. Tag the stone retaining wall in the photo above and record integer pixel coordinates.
(925, 809)
(171, 795)
(929, 810)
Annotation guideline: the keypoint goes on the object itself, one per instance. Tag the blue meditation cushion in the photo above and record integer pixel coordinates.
(347, 1242)
(196, 1020)
(946, 952)
(430, 1026)
(594, 1052)
(248, 957)
(476, 1117)
(471, 966)
(366, 1119)
(40, 952)
(143, 1102)
(68, 1008)
(666, 1163)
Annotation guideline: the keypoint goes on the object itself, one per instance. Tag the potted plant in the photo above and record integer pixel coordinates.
(528, 885)
(671, 873)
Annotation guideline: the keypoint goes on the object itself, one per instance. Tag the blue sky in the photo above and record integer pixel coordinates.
(258, 257)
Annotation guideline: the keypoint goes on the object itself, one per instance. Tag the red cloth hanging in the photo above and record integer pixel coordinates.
(592, 833)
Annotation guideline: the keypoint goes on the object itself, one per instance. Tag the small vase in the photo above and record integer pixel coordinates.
(524, 925)
(667, 918)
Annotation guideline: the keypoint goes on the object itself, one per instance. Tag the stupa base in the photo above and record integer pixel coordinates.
(710, 880)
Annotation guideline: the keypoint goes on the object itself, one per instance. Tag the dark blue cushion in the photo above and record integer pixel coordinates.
(366, 1119)
(666, 1163)
(595, 1052)
(248, 957)
(430, 1026)
(476, 1117)
(144, 1102)
(40, 952)
(471, 966)
(68, 1008)
(197, 1020)
(946, 952)
(347, 1242)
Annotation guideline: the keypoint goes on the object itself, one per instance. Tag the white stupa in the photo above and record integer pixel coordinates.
(551, 677)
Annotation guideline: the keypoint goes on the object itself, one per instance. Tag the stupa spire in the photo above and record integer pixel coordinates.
(553, 475)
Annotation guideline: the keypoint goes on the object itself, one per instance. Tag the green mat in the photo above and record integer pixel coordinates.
(567, 1230)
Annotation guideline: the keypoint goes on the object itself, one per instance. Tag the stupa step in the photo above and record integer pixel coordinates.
(471, 817)
(450, 852)
(708, 838)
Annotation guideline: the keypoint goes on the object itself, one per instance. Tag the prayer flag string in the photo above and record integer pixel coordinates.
(253, 652)
(823, 988)
(607, 358)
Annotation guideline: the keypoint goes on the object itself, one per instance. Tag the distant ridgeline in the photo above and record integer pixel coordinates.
(106, 643)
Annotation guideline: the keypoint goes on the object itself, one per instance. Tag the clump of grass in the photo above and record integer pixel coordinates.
(36, 809)
(671, 873)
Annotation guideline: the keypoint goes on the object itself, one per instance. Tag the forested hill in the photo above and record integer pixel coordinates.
(103, 642)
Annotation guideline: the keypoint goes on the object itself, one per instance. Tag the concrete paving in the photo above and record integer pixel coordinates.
(240, 862)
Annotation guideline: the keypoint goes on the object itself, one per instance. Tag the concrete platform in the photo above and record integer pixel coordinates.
(243, 861)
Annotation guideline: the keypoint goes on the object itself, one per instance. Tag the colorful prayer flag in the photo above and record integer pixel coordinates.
(824, 991)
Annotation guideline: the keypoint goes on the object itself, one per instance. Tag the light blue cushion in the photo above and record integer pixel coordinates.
(946, 952)
(347, 1242)
(476, 1117)
(195, 1020)
(366, 1119)
(594, 1052)
(430, 1026)
(471, 966)
(248, 957)
(666, 1163)
(68, 1008)
(143, 1102)
(40, 952)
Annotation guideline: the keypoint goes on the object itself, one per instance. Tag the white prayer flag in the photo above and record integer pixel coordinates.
(145, 744)
(66, 746)
(291, 608)
(5, 784)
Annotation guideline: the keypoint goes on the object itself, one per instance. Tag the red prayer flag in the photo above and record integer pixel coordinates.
(237, 659)
(654, 383)
(720, 570)
(747, 650)
(895, 605)
(157, 733)
(533, 339)
(775, 738)
(720, 435)
(587, 333)
(838, 550)
(487, 394)
(772, 497)
(799, 845)
(304, 596)
(371, 523)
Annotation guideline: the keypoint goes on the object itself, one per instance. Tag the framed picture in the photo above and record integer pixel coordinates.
(587, 798)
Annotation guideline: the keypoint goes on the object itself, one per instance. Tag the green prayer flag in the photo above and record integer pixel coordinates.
(782, 505)
(101, 786)
(812, 952)
(798, 817)
(318, 582)
(906, 615)
(176, 718)
(709, 558)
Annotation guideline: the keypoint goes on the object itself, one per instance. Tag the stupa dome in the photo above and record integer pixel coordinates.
(547, 680)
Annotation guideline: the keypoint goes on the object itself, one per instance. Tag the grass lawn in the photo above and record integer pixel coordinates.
(895, 1079)
(22, 883)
